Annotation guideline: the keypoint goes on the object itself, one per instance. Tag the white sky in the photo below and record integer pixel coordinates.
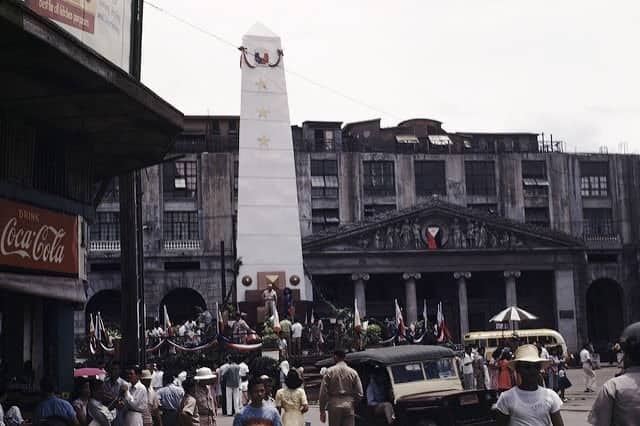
(566, 67)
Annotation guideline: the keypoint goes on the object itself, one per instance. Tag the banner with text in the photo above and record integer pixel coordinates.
(103, 25)
(37, 239)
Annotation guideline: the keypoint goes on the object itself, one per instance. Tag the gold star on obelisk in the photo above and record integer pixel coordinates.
(262, 112)
(263, 141)
(262, 85)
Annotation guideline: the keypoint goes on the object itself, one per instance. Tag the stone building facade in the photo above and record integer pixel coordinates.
(413, 212)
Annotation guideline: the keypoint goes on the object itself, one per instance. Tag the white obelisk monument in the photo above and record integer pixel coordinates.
(268, 243)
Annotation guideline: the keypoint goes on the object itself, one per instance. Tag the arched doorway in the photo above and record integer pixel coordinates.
(107, 302)
(604, 312)
(181, 305)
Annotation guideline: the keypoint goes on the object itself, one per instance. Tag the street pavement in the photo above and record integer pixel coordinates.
(574, 411)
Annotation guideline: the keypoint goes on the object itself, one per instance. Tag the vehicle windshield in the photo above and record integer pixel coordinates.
(429, 370)
(439, 369)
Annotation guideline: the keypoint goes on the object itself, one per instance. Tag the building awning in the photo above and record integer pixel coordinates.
(50, 77)
(68, 289)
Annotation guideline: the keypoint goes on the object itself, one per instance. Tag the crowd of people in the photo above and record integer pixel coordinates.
(495, 372)
(133, 396)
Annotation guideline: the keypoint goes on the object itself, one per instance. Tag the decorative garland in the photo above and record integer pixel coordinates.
(258, 59)
(218, 339)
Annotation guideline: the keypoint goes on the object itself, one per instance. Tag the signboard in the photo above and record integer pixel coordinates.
(103, 25)
(37, 239)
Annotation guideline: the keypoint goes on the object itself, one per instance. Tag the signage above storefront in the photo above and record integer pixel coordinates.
(37, 239)
(103, 25)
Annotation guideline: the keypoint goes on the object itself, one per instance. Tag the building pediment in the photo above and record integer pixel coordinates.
(436, 226)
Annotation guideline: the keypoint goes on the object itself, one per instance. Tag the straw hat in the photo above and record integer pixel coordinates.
(204, 373)
(146, 375)
(528, 353)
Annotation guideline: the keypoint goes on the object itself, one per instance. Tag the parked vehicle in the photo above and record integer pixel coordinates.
(424, 387)
(490, 339)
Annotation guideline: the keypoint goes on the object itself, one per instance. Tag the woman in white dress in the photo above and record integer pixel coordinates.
(292, 400)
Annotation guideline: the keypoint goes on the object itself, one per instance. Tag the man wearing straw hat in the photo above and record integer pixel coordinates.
(205, 379)
(529, 404)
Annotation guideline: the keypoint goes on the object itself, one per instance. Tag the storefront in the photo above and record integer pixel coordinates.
(41, 281)
(70, 121)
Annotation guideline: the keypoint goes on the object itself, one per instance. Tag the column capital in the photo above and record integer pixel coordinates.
(512, 274)
(458, 275)
(411, 275)
(360, 276)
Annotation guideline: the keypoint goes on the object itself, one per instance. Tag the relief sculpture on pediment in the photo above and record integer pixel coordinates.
(438, 233)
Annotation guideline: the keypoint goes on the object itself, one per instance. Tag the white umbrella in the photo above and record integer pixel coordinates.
(513, 313)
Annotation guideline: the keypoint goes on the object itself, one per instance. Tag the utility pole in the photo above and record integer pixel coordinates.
(132, 347)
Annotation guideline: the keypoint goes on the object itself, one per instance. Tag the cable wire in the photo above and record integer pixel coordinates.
(288, 71)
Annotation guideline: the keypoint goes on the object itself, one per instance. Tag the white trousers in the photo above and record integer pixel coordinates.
(233, 397)
(589, 377)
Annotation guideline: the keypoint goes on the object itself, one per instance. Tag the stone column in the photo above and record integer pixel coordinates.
(510, 287)
(461, 279)
(359, 280)
(410, 296)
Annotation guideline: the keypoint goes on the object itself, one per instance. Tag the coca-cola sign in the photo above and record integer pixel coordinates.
(37, 239)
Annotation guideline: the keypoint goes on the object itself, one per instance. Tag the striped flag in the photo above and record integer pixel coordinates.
(166, 321)
(399, 320)
(357, 324)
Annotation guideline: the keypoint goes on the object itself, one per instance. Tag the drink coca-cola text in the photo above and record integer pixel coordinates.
(43, 244)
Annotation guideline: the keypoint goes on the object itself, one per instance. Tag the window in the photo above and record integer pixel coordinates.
(324, 179)
(534, 169)
(410, 139)
(181, 225)
(440, 369)
(180, 179)
(371, 210)
(324, 141)
(480, 177)
(594, 177)
(379, 178)
(106, 227)
(597, 222)
(534, 178)
(407, 373)
(538, 216)
(112, 194)
(324, 220)
(233, 127)
(430, 178)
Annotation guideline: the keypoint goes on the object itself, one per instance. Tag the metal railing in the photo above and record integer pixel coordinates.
(104, 245)
(603, 241)
(182, 244)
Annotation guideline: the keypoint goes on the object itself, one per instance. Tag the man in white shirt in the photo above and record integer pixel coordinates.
(296, 339)
(467, 369)
(135, 398)
(587, 369)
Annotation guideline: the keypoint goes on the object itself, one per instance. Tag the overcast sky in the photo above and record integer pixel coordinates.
(570, 68)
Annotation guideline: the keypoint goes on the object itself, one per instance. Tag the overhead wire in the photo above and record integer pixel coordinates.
(287, 70)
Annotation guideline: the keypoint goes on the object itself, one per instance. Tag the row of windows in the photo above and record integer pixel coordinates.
(182, 225)
(180, 179)
(177, 226)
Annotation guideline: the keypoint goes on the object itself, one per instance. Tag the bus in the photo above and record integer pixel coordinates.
(489, 339)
